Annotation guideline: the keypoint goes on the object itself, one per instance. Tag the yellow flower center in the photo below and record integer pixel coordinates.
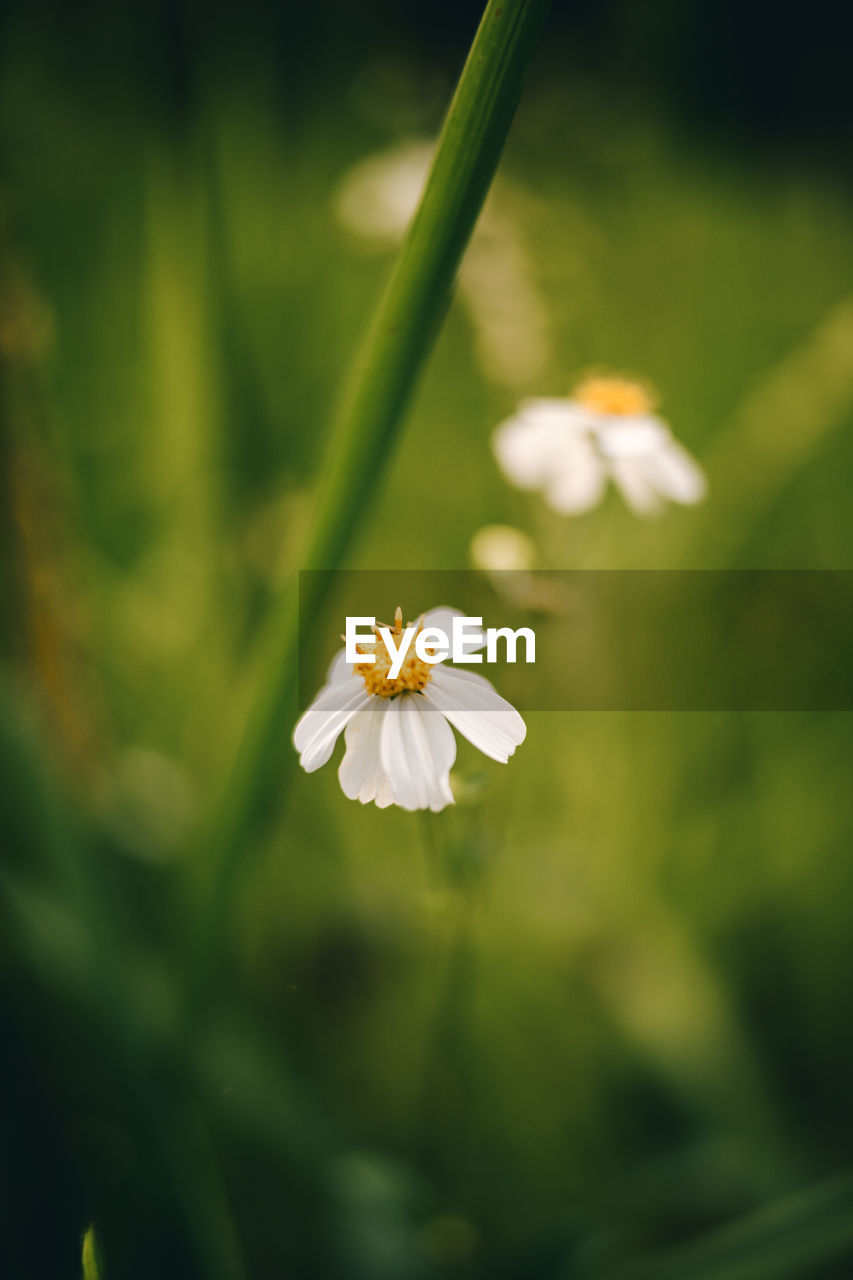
(414, 673)
(618, 396)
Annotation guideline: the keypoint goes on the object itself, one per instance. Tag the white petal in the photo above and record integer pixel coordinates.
(443, 747)
(579, 482)
(339, 668)
(361, 774)
(632, 478)
(677, 475)
(318, 729)
(415, 757)
(443, 617)
(631, 437)
(528, 445)
(394, 752)
(384, 796)
(477, 710)
(569, 414)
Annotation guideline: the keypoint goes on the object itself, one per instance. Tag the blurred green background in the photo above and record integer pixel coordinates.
(594, 1021)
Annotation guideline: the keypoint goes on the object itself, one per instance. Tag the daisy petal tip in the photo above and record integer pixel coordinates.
(438, 808)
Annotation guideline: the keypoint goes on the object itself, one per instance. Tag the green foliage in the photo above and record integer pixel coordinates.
(593, 1022)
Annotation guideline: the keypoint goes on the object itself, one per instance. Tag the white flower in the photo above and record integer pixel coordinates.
(378, 196)
(498, 547)
(400, 747)
(606, 430)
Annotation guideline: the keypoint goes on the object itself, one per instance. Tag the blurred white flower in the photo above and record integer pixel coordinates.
(376, 200)
(507, 556)
(606, 430)
(499, 547)
(378, 196)
(399, 744)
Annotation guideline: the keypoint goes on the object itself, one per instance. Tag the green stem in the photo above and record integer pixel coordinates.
(93, 1267)
(413, 307)
(369, 417)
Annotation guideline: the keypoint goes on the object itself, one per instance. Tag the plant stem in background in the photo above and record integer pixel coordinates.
(369, 417)
(92, 1265)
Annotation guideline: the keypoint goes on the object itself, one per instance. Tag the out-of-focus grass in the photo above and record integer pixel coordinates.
(618, 1022)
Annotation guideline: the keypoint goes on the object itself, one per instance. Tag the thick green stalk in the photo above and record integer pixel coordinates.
(418, 292)
(370, 413)
(93, 1267)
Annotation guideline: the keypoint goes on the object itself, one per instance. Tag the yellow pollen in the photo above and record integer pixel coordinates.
(618, 396)
(414, 673)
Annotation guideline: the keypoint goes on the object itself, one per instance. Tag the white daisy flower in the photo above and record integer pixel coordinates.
(400, 747)
(606, 430)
